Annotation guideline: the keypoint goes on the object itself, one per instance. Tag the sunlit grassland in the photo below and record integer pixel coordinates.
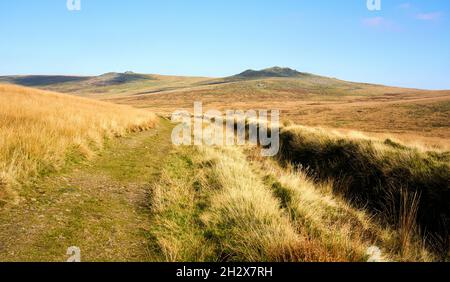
(41, 131)
(407, 187)
(228, 204)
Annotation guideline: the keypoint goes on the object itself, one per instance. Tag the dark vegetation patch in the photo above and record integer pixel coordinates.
(42, 80)
(375, 180)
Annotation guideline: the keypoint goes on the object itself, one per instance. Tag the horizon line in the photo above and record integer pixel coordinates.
(218, 77)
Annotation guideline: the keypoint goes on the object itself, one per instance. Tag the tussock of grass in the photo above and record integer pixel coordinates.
(177, 233)
(374, 174)
(243, 217)
(41, 131)
(320, 218)
(330, 221)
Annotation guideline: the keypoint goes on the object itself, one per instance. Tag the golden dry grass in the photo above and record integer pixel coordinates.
(221, 204)
(330, 221)
(178, 237)
(406, 186)
(40, 131)
(243, 215)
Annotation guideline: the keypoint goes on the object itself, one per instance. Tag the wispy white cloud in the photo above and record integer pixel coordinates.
(380, 23)
(429, 16)
(374, 22)
(419, 15)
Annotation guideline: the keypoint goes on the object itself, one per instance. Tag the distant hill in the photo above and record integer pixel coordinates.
(41, 80)
(114, 78)
(95, 84)
(273, 80)
(273, 72)
(107, 79)
(270, 72)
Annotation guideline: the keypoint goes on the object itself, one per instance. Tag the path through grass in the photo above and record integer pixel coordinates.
(101, 207)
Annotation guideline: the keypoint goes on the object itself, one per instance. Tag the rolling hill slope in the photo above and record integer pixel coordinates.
(112, 83)
(41, 131)
(302, 98)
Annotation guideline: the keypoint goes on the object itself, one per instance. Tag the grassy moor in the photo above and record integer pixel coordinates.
(226, 132)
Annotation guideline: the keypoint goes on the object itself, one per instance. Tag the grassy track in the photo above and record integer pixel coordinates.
(101, 207)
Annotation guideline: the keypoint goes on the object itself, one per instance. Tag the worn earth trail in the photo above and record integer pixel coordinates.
(101, 206)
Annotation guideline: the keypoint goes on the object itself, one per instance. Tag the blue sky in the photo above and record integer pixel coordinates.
(407, 43)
